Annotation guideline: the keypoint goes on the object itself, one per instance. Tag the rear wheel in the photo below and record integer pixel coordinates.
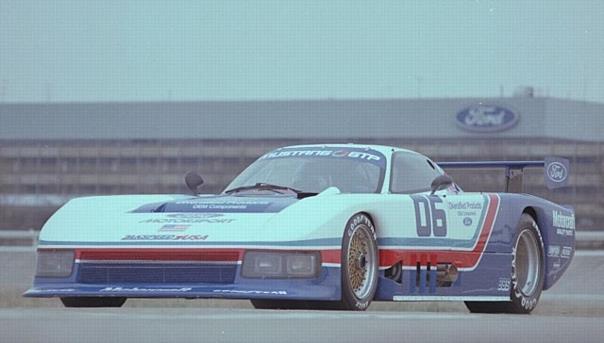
(527, 272)
(93, 302)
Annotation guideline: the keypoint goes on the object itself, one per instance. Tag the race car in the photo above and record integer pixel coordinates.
(333, 226)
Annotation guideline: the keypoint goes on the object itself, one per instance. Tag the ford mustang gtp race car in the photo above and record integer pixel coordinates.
(315, 226)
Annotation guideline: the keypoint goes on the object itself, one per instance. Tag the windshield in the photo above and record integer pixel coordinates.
(350, 170)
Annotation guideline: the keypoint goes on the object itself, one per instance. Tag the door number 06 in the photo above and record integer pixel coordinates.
(431, 219)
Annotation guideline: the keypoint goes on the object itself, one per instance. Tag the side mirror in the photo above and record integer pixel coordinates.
(193, 181)
(441, 182)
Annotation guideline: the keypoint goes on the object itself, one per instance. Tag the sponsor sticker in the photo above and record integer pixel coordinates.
(173, 228)
(165, 238)
(464, 205)
(186, 220)
(58, 290)
(563, 220)
(235, 291)
(566, 252)
(195, 215)
(565, 232)
(504, 284)
(222, 205)
(144, 290)
(553, 251)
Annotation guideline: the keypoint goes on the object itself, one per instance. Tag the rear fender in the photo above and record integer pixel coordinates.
(556, 225)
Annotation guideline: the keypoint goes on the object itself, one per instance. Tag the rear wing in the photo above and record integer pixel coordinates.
(556, 171)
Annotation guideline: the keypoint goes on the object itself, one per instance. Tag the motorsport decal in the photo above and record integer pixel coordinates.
(165, 238)
(187, 218)
(365, 155)
(486, 118)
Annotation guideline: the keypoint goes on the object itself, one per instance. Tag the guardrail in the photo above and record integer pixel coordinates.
(19, 237)
(584, 239)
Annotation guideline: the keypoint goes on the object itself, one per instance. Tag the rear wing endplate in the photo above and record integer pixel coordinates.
(556, 171)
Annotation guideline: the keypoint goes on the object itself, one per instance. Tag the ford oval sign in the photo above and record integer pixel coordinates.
(486, 118)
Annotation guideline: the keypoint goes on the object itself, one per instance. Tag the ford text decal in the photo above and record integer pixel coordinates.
(486, 118)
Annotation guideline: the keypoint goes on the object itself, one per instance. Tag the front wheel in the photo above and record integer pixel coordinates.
(359, 263)
(93, 302)
(528, 272)
(359, 272)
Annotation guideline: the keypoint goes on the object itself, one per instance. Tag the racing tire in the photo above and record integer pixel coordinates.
(359, 272)
(93, 302)
(360, 264)
(528, 272)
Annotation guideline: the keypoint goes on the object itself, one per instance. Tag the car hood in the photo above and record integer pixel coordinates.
(184, 220)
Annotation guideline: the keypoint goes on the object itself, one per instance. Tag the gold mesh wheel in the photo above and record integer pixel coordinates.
(361, 261)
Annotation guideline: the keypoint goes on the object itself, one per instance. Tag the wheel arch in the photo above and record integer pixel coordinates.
(549, 237)
(371, 218)
(532, 212)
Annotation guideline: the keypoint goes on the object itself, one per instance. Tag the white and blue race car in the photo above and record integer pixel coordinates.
(315, 226)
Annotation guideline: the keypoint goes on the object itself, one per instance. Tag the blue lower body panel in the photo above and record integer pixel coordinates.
(490, 279)
(186, 281)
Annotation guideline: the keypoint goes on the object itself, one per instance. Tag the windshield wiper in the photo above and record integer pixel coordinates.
(264, 186)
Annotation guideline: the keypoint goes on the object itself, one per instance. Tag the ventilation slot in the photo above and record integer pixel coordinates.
(395, 273)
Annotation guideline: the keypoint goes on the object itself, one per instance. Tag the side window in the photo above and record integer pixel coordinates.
(411, 173)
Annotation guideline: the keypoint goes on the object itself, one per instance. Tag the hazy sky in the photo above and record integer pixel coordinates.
(196, 50)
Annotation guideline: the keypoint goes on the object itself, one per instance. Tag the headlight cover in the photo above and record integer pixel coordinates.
(280, 265)
(54, 263)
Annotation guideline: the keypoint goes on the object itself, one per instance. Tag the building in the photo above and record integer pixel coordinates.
(52, 152)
